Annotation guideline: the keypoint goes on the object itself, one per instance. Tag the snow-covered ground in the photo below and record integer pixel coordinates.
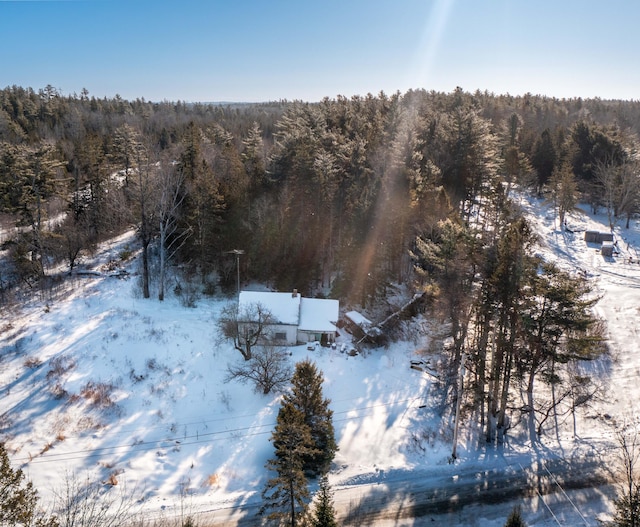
(105, 385)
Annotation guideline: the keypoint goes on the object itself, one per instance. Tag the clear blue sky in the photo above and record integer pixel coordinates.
(258, 50)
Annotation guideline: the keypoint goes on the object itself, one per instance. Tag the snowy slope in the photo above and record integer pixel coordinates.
(104, 384)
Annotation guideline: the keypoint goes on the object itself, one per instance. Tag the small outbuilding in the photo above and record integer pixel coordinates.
(607, 248)
(598, 237)
(356, 324)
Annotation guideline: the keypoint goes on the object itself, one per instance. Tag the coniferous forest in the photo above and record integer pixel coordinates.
(346, 197)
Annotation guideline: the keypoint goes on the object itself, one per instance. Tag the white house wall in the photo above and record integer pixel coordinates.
(291, 333)
(312, 336)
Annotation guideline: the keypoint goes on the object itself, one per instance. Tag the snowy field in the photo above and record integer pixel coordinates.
(105, 385)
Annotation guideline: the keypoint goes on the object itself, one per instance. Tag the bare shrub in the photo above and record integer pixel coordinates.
(33, 362)
(157, 335)
(98, 393)
(87, 503)
(60, 365)
(152, 364)
(188, 293)
(135, 377)
(225, 399)
(86, 422)
(58, 391)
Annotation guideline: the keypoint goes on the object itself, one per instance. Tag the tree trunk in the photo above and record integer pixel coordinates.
(163, 263)
(494, 387)
(481, 366)
(145, 269)
(506, 383)
(293, 503)
(533, 437)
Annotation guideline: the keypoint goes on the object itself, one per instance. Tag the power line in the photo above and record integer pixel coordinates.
(185, 440)
(555, 480)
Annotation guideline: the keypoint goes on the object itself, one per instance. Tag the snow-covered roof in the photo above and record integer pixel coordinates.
(309, 314)
(285, 307)
(318, 314)
(358, 318)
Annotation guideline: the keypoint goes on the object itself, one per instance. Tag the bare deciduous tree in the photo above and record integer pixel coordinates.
(268, 369)
(621, 185)
(246, 326)
(627, 504)
(628, 195)
(564, 191)
(170, 196)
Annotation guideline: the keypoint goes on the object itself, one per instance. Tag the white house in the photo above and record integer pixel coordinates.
(297, 319)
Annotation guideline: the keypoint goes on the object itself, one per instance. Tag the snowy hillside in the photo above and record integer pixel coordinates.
(105, 385)
(115, 388)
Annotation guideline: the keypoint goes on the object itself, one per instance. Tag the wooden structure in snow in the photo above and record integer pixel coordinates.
(607, 248)
(598, 237)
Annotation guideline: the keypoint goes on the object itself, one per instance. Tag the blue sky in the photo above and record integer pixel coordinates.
(258, 50)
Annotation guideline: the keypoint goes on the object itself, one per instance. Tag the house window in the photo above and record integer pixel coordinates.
(280, 335)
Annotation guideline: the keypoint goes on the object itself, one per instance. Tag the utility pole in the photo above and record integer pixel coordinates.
(237, 252)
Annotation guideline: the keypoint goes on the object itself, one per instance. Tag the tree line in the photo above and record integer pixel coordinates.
(331, 196)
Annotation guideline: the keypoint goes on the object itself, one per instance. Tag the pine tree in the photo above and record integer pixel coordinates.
(324, 514)
(627, 509)
(306, 396)
(544, 159)
(515, 518)
(286, 494)
(18, 500)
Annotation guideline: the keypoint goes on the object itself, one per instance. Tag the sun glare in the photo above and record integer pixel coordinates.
(430, 41)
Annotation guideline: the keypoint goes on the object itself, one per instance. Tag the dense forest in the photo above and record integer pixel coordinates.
(346, 197)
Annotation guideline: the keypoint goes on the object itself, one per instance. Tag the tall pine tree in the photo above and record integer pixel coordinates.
(307, 397)
(286, 495)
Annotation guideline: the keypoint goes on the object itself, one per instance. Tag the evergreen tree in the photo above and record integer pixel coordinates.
(509, 274)
(306, 396)
(286, 495)
(627, 509)
(515, 518)
(556, 326)
(253, 156)
(18, 500)
(125, 148)
(324, 514)
(544, 159)
(204, 203)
